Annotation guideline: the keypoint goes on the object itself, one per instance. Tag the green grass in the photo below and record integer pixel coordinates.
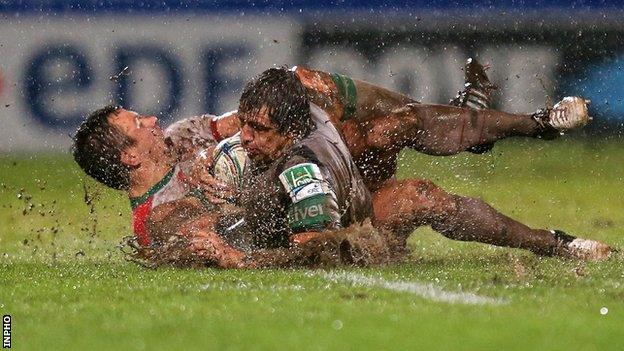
(67, 287)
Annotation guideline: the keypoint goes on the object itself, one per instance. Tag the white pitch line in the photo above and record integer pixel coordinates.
(426, 290)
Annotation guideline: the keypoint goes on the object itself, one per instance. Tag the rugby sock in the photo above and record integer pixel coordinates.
(347, 94)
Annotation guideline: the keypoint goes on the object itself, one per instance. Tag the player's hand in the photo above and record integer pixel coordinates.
(208, 245)
(303, 238)
(215, 191)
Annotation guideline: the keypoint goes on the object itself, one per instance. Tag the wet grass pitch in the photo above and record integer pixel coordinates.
(66, 285)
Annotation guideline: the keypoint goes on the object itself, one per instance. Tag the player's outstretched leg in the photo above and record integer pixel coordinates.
(447, 130)
(401, 206)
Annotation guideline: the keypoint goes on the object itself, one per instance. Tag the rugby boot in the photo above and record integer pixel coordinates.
(582, 249)
(477, 94)
(569, 113)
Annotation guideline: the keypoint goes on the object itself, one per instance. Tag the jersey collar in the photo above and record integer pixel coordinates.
(136, 201)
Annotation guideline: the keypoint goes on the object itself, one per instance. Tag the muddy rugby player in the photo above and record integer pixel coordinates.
(147, 168)
(293, 171)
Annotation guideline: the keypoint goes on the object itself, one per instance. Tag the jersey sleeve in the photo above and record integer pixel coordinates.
(312, 205)
(191, 134)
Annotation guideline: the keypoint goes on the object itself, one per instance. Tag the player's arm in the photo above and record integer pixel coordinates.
(184, 231)
(187, 136)
(312, 205)
(345, 98)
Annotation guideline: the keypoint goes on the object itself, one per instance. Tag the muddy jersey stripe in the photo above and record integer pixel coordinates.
(139, 222)
(137, 201)
(347, 94)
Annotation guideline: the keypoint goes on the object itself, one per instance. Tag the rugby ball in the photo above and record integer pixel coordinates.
(228, 161)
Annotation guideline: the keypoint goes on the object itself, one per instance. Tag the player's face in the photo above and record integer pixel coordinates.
(260, 137)
(144, 131)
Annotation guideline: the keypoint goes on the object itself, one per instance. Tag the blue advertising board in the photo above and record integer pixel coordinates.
(187, 58)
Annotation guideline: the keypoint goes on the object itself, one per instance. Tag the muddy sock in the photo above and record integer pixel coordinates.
(474, 220)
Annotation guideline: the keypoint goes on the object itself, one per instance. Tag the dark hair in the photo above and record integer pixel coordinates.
(285, 98)
(97, 149)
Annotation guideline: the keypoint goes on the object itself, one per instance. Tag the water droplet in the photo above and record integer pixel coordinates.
(337, 324)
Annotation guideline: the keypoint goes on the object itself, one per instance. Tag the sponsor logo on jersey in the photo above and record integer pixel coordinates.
(308, 214)
(303, 181)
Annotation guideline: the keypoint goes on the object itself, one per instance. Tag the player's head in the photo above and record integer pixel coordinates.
(274, 110)
(112, 141)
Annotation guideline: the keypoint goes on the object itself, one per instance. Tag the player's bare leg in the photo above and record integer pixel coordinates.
(378, 163)
(365, 112)
(347, 99)
(446, 130)
(376, 123)
(401, 206)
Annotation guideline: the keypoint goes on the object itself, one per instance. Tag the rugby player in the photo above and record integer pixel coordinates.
(148, 171)
(128, 151)
(376, 124)
(295, 185)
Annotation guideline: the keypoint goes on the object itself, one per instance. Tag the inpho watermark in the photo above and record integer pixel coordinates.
(6, 331)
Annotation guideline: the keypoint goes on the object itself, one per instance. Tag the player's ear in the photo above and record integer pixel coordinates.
(130, 158)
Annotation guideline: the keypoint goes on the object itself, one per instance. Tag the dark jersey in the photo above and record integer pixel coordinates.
(314, 186)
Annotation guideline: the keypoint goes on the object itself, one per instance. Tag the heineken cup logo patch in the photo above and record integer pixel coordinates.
(303, 181)
(299, 175)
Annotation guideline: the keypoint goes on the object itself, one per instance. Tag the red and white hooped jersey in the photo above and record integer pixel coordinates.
(196, 132)
(173, 186)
